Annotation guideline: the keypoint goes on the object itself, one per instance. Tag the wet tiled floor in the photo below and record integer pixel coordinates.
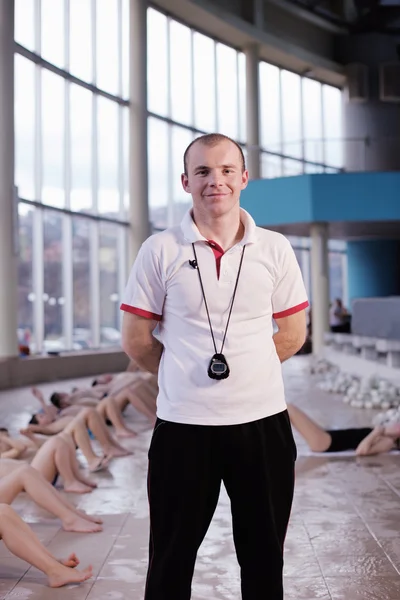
(343, 541)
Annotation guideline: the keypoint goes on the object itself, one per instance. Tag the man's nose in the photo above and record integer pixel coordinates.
(215, 179)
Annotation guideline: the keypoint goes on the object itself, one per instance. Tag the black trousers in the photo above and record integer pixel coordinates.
(187, 464)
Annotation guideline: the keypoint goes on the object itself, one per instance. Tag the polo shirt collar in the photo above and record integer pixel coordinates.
(192, 234)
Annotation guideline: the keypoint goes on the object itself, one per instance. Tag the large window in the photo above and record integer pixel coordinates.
(301, 124)
(195, 85)
(71, 170)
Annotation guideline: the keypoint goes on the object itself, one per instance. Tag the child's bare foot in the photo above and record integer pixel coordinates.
(98, 464)
(65, 576)
(125, 433)
(81, 525)
(91, 518)
(116, 451)
(76, 487)
(72, 561)
(87, 481)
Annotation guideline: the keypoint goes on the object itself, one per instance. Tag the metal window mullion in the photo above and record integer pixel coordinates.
(94, 42)
(38, 278)
(120, 52)
(38, 27)
(37, 235)
(67, 278)
(121, 177)
(170, 170)
(239, 124)
(323, 140)
(170, 199)
(281, 143)
(95, 283)
(122, 265)
(302, 127)
(345, 278)
(193, 106)
(216, 87)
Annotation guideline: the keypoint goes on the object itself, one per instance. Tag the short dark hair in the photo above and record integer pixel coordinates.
(212, 139)
(55, 399)
(33, 420)
(3, 430)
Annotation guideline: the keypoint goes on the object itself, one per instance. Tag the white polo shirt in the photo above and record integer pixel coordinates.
(164, 286)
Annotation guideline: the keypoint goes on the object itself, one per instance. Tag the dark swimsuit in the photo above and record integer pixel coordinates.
(349, 439)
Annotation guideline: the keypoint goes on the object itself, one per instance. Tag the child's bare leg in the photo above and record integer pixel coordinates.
(22, 542)
(70, 448)
(78, 430)
(95, 423)
(54, 457)
(109, 409)
(317, 438)
(27, 479)
(134, 399)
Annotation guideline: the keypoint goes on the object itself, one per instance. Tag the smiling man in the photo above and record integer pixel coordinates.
(213, 285)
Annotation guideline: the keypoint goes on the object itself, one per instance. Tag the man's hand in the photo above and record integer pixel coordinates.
(139, 343)
(291, 335)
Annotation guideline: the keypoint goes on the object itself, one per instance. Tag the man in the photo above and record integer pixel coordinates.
(213, 285)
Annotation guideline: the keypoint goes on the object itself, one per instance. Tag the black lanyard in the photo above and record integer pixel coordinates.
(220, 357)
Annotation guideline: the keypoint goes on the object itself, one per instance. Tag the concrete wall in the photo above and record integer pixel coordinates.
(375, 119)
(18, 372)
(373, 268)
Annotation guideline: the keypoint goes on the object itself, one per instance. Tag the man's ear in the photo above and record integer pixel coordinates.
(185, 183)
(245, 179)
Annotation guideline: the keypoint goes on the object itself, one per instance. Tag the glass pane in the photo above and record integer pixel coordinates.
(227, 85)
(81, 285)
(270, 107)
(242, 96)
(80, 60)
(107, 45)
(126, 161)
(81, 101)
(312, 120)
(109, 300)
(25, 23)
(158, 172)
(333, 126)
(53, 139)
(181, 73)
(25, 127)
(204, 97)
(26, 296)
(292, 167)
(181, 139)
(335, 275)
(291, 114)
(157, 63)
(271, 166)
(53, 282)
(53, 30)
(108, 157)
(125, 48)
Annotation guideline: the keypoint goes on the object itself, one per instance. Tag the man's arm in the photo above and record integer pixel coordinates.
(291, 335)
(139, 343)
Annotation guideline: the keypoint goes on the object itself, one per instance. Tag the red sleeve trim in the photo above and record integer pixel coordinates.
(291, 311)
(140, 312)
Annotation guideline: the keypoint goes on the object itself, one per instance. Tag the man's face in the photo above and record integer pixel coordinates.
(214, 178)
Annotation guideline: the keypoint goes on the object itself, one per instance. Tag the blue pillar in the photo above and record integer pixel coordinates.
(373, 268)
